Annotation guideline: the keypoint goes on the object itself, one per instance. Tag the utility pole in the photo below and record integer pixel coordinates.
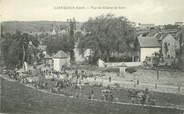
(157, 74)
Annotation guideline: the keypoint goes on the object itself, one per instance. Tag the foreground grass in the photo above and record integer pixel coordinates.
(18, 98)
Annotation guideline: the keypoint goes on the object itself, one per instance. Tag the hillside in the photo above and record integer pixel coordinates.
(33, 26)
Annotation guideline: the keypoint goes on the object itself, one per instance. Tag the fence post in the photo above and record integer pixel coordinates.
(179, 88)
(157, 74)
(137, 82)
(156, 86)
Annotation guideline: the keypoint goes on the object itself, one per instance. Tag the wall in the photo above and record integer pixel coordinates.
(58, 63)
(171, 43)
(18, 98)
(133, 64)
(78, 57)
(117, 64)
(147, 52)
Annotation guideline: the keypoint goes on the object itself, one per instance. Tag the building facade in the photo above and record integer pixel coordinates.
(148, 46)
(60, 60)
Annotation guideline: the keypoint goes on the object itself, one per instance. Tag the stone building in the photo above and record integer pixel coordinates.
(147, 47)
(60, 60)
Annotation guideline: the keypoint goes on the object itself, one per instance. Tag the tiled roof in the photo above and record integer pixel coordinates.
(60, 54)
(148, 42)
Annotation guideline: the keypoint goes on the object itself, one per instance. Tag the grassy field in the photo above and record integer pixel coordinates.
(161, 99)
(21, 99)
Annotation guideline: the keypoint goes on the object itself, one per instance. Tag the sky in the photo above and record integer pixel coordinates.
(139, 11)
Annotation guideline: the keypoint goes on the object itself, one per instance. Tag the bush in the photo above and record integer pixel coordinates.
(86, 83)
(97, 85)
(110, 69)
(117, 85)
(131, 69)
(120, 59)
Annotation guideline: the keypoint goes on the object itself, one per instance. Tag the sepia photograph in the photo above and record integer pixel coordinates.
(91, 56)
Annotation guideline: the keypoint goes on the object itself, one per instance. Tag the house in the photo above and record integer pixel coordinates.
(146, 26)
(147, 47)
(1, 41)
(169, 46)
(170, 29)
(60, 59)
(79, 58)
(180, 51)
(180, 37)
(179, 23)
(101, 63)
(1, 53)
(153, 31)
(53, 32)
(88, 53)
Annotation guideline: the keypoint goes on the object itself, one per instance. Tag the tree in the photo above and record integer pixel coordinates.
(180, 54)
(19, 48)
(72, 28)
(60, 43)
(107, 34)
(63, 42)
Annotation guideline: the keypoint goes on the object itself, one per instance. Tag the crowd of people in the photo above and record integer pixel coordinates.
(56, 81)
(141, 97)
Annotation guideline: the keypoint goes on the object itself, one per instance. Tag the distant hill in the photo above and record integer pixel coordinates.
(33, 26)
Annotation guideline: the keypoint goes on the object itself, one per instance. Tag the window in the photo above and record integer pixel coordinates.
(165, 47)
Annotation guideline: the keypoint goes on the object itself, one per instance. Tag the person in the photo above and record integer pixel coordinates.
(77, 74)
(82, 75)
(143, 99)
(106, 96)
(146, 91)
(91, 95)
(67, 75)
(147, 95)
(179, 86)
(110, 79)
(137, 82)
(111, 96)
(103, 96)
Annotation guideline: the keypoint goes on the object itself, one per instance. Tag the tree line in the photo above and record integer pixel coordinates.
(18, 48)
(106, 35)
